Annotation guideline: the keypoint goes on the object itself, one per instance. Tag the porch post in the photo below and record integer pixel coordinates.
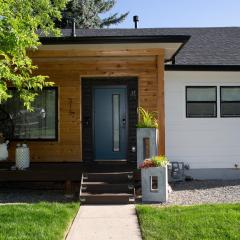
(160, 104)
(68, 189)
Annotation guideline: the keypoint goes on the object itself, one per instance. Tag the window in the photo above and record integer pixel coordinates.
(230, 101)
(36, 125)
(201, 102)
(154, 183)
(116, 122)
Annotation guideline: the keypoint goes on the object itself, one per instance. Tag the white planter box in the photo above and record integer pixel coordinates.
(152, 134)
(3, 152)
(22, 158)
(154, 184)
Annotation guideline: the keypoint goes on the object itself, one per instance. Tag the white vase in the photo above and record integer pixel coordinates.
(22, 157)
(3, 152)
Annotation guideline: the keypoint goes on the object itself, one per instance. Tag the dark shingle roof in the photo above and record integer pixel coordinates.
(207, 46)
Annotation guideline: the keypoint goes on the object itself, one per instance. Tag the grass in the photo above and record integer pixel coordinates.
(41, 221)
(200, 222)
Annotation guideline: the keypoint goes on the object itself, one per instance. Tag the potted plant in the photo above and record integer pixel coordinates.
(154, 177)
(147, 128)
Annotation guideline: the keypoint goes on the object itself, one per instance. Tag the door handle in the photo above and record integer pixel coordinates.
(86, 122)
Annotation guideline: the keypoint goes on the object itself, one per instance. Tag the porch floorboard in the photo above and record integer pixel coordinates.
(60, 171)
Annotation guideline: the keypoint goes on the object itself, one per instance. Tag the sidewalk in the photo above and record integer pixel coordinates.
(103, 222)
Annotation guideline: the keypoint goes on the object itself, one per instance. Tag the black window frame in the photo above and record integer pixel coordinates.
(186, 100)
(56, 120)
(221, 114)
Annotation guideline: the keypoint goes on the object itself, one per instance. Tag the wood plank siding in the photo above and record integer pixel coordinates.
(67, 67)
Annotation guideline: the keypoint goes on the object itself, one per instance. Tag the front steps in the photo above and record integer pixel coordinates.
(107, 188)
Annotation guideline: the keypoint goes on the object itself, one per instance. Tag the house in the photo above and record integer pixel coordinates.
(190, 77)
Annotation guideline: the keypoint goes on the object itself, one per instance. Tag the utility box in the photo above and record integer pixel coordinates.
(154, 184)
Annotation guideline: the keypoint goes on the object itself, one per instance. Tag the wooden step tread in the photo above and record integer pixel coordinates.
(109, 173)
(108, 178)
(107, 188)
(105, 183)
(85, 194)
(102, 187)
(107, 199)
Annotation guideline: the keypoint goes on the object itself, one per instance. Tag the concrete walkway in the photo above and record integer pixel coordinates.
(103, 222)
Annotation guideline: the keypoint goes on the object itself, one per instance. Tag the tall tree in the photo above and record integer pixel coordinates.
(87, 14)
(20, 20)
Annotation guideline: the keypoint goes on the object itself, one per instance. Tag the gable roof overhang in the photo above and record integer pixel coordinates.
(171, 44)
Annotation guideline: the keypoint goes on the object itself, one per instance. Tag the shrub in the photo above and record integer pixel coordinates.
(155, 161)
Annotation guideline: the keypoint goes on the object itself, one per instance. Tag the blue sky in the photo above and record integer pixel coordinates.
(180, 13)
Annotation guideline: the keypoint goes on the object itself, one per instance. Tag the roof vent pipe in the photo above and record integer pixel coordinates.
(73, 28)
(136, 20)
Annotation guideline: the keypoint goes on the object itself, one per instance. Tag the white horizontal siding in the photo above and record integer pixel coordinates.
(200, 142)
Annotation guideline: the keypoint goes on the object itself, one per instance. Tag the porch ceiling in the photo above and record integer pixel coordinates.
(171, 45)
(170, 49)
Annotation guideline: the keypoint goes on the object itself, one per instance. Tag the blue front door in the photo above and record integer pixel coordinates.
(110, 123)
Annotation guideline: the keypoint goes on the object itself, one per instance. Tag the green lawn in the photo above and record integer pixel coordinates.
(202, 222)
(41, 221)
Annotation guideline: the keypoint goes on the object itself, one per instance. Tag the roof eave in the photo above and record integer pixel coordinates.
(201, 67)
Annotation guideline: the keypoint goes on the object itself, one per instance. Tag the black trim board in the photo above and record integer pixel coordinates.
(173, 58)
(115, 39)
(217, 68)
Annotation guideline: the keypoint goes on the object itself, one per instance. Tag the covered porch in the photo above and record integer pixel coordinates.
(78, 65)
